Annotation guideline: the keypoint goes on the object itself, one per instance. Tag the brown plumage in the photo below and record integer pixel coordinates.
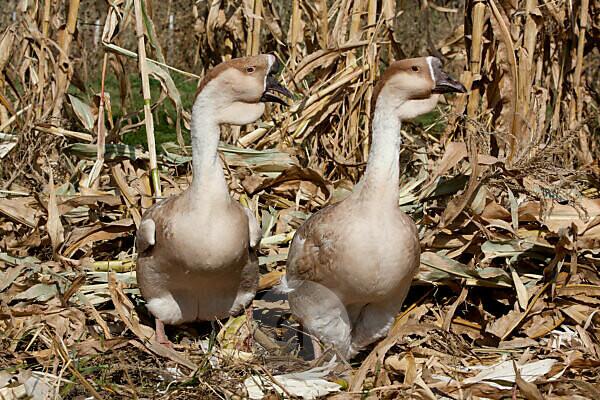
(351, 264)
(258, 63)
(197, 258)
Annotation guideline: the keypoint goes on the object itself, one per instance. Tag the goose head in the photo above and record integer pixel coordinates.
(236, 91)
(412, 87)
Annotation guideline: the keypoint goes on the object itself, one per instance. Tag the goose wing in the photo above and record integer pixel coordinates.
(154, 220)
(313, 250)
(146, 235)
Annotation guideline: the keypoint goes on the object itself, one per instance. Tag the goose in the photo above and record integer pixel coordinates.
(350, 265)
(197, 250)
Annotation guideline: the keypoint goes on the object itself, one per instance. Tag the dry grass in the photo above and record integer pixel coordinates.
(503, 184)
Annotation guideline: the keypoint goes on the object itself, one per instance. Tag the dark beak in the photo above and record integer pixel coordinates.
(273, 86)
(449, 85)
(446, 84)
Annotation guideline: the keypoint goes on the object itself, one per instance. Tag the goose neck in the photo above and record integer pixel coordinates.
(381, 177)
(205, 134)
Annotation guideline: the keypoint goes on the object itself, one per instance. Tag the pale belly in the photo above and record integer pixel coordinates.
(199, 300)
(207, 244)
(213, 254)
(195, 269)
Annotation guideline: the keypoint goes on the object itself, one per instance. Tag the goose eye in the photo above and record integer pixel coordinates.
(250, 69)
(415, 68)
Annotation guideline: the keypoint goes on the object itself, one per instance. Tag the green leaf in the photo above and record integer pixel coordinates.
(83, 112)
(258, 160)
(112, 151)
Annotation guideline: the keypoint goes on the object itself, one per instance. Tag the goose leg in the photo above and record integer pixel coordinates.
(248, 285)
(161, 336)
(316, 347)
(250, 324)
(375, 320)
(323, 315)
(302, 334)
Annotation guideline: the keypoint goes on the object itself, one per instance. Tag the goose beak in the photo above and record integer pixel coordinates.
(448, 85)
(444, 83)
(273, 86)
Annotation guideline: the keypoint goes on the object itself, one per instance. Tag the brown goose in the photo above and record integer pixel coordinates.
(351, 264)
(197, 257)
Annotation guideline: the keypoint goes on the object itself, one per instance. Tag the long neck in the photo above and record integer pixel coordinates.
(206, 164)
(380, 180)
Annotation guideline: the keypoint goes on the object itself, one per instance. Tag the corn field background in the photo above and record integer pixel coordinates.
(503, 183)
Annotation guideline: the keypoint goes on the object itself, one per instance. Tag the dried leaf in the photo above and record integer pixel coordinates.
(7, 143)
(543, 324)
(81, 237)
(8, 276)
(298, 174)
(38, 292)
(528, 389)
(20, 210)
(522, 294)
(307, 384)
(498, 375)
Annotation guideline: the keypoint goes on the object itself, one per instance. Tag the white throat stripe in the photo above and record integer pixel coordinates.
(270, 61)
(431, 68)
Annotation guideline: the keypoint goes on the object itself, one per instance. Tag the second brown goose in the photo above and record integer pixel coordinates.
(350, 265)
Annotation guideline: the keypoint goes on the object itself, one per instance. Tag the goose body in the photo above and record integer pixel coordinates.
(351, 264)
(207, 268)
(197, 250)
